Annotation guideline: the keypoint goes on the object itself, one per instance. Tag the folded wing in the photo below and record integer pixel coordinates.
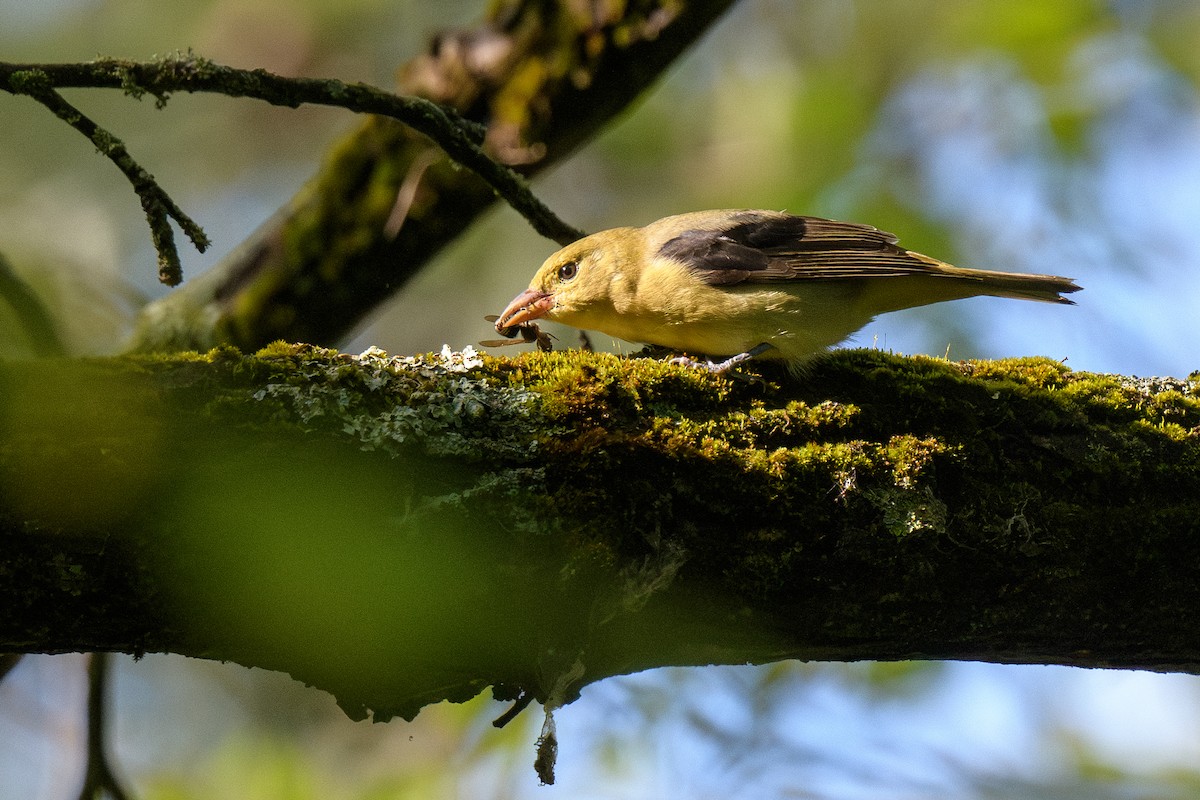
(761, 247)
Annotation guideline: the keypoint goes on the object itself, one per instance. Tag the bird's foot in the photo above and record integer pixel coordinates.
(721, 366)
(711, 366)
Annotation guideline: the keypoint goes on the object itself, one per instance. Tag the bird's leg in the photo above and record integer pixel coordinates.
(721, 366)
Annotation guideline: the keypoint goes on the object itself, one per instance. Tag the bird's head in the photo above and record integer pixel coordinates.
(573, 285)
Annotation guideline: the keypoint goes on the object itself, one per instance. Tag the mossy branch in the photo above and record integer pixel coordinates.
(404, 531)
(461, 139)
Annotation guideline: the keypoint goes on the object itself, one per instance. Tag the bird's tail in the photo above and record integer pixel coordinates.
(936, 281)
(1046, 288)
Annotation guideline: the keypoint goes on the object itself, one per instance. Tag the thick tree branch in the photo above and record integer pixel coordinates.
(400, 532)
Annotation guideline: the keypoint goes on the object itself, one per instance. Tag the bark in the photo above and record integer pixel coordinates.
(542, 77)
(403, 531)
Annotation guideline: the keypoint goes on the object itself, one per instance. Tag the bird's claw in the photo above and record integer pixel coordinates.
(721, 366)
(714, 367)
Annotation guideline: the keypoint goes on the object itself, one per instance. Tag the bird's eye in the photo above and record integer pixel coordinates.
(567, 271)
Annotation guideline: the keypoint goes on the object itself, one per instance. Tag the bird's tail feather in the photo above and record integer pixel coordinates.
(940, 281)
(1046, 288)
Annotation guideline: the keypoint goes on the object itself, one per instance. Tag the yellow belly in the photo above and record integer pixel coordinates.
(726, 322)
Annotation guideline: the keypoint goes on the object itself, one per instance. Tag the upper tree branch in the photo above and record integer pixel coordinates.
(460, 139)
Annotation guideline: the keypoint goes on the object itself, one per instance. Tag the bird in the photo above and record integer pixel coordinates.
(742, 283)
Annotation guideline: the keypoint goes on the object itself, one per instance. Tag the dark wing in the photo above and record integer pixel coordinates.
(759, 248)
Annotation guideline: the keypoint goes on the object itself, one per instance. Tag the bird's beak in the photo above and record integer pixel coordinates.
(529, 305)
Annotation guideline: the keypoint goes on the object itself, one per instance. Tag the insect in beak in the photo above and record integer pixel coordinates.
(529, 332)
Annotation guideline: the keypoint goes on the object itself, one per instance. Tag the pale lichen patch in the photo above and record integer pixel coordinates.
(906, 513)
(441, 402)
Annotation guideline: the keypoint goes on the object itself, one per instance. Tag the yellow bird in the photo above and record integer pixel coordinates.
(744, 283)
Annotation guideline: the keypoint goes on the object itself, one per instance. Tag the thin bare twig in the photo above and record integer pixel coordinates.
(520, 704)
(460, 138)
(99, 777)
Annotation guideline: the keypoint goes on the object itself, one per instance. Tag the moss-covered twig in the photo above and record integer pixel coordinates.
(36, 83)
(460, 139)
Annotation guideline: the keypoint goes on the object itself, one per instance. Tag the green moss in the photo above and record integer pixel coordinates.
(577, 385)
(1041, 373)
(29, 81)
(910, 456)
(282, 349)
